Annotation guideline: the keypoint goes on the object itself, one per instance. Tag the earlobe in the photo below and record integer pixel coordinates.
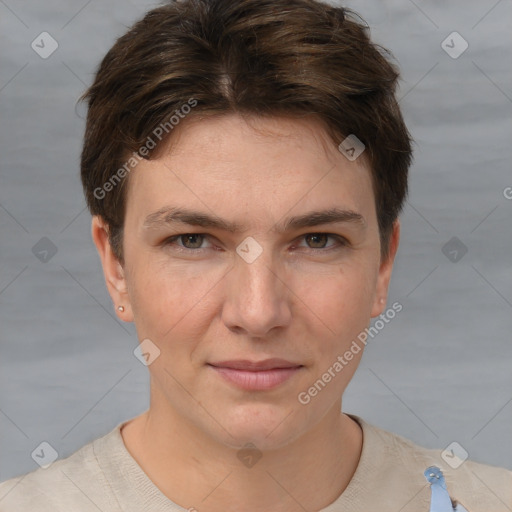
(385, 270)
(113, 271)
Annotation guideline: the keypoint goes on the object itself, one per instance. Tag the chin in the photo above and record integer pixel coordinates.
(266, 426)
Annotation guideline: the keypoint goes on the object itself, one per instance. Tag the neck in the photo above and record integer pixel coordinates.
(197, 473)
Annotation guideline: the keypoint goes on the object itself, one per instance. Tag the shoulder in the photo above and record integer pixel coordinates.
(478, 487)
(74, 483)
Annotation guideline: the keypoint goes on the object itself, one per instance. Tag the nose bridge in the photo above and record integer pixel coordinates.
(257, 278)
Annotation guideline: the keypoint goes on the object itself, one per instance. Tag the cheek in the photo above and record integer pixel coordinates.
(342, 299)
(336, 311)
(167, 299)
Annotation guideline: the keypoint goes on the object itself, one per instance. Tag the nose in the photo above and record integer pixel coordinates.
(257, 298)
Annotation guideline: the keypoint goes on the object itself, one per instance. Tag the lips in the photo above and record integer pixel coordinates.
(246, 365)
(256, 375)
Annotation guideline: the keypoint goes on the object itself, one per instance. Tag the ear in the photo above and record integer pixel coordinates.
(385, 269)
(112, 269)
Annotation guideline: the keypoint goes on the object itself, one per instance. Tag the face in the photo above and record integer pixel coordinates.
(249, 240)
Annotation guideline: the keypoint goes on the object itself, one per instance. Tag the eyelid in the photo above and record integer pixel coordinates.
(172, 241)
(341, 240)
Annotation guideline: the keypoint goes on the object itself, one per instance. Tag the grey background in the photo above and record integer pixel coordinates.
(439, 372)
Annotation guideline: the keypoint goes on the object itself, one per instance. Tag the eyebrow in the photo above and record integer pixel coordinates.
(170, 215)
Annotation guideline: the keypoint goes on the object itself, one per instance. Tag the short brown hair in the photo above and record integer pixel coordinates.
(256, 57)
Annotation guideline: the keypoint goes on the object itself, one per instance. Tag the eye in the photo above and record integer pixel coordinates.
(188, 241)
(319, 241)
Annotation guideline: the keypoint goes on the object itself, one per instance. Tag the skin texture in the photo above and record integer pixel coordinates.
(304, 299)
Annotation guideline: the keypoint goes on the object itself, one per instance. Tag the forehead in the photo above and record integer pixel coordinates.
(251, 166)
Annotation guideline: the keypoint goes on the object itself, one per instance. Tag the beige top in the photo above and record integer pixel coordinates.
(103, 476)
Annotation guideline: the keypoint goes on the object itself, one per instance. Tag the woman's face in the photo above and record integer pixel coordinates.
(251, 271)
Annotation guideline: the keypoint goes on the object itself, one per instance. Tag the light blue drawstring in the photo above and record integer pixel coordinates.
(440, 500)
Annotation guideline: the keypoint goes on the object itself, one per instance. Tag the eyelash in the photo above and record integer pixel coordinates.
(341, 242)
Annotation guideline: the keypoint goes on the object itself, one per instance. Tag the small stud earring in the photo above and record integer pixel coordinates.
(382, 301)
(120, 308)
